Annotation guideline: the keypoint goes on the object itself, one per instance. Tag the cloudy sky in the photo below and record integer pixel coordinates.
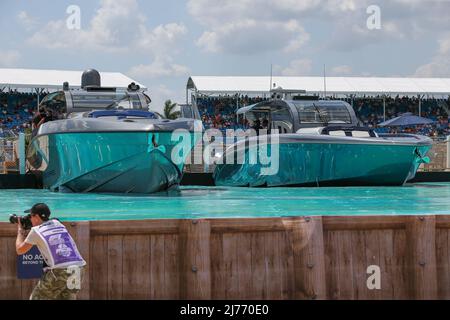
(161, 43)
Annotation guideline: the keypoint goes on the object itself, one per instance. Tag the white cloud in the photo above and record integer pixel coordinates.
(343, 70)
(9, 58)
(27, 21)
(439, 67)
(162, 39)
(251, 26)
(298, 67)
(227, 20)
(214, 13)
(253, 36)
(440, 63)
(349, 35)
(159, 68)
(160, 93)
(444, 45)
(119, 26)
(115, 26)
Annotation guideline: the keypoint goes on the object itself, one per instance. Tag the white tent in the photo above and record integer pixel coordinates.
(54, 79)
(319, 85)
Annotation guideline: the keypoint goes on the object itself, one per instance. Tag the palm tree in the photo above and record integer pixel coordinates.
(169, 112)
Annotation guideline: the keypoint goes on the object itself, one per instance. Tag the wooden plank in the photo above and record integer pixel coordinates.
(8, 230)
(346, 280)
(443, 222)
(195, 261)
(10, 286)
(244, 265)
(130, 278)
(287, 265)
(443, 263)
(80, 232)
(141, 227)
(115, 267)
(331, 264)
(386, 257)
(4, 289)
(99, 268)
(309, 263)
(273, 266)
(217, 267)
(421, 240)
(143, 266)
(399, 272)
(359, 265)
(363, 222)
(27, 287)
(171, 265)
(230, 265)
(157, 268)
(372, 248)
(258, 266)
(136, 267)
(248, 225)
(329, 223)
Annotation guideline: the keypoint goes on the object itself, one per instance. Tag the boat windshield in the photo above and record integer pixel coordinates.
(320, 113)
(103, 100)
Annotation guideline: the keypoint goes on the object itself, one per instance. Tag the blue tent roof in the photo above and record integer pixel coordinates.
(406, 119)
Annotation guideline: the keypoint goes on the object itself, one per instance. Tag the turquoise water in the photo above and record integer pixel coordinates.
(218, 202)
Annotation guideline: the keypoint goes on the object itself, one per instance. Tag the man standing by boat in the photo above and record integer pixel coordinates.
(63, 263)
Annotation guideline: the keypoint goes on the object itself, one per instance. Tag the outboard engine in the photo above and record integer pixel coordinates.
(90, 79)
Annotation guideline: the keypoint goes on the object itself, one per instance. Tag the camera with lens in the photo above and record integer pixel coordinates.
(24, 220)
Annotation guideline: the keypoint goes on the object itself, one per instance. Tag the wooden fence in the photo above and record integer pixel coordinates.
(276, 258)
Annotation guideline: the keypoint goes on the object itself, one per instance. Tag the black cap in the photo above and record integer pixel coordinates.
(41, 209)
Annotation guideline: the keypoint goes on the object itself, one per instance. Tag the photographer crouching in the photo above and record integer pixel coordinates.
(63, 264)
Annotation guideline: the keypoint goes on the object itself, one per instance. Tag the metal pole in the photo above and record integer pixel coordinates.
(420, 106)
(237, 108)
(22, 153)
(38, 98)
(384, 108)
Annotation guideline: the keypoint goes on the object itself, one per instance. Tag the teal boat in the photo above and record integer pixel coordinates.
(318, 143)
(105, 141)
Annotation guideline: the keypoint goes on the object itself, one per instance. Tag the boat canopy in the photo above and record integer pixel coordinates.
(260, 107)
(297, 114)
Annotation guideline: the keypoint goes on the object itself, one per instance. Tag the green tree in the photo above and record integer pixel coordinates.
(169, 112)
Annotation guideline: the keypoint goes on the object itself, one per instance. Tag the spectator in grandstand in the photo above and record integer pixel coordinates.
(257, 126)
(39, 119)
(266, 126)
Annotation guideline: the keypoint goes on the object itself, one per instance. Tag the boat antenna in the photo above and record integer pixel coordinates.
(324, 82)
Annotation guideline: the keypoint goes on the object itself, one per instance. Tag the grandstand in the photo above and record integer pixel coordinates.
(374, 99)
(21, 90)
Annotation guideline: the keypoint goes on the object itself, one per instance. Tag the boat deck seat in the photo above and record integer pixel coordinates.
(338, 133)
(361, 134)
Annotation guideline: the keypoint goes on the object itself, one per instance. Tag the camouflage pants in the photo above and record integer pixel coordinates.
(53, 285)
